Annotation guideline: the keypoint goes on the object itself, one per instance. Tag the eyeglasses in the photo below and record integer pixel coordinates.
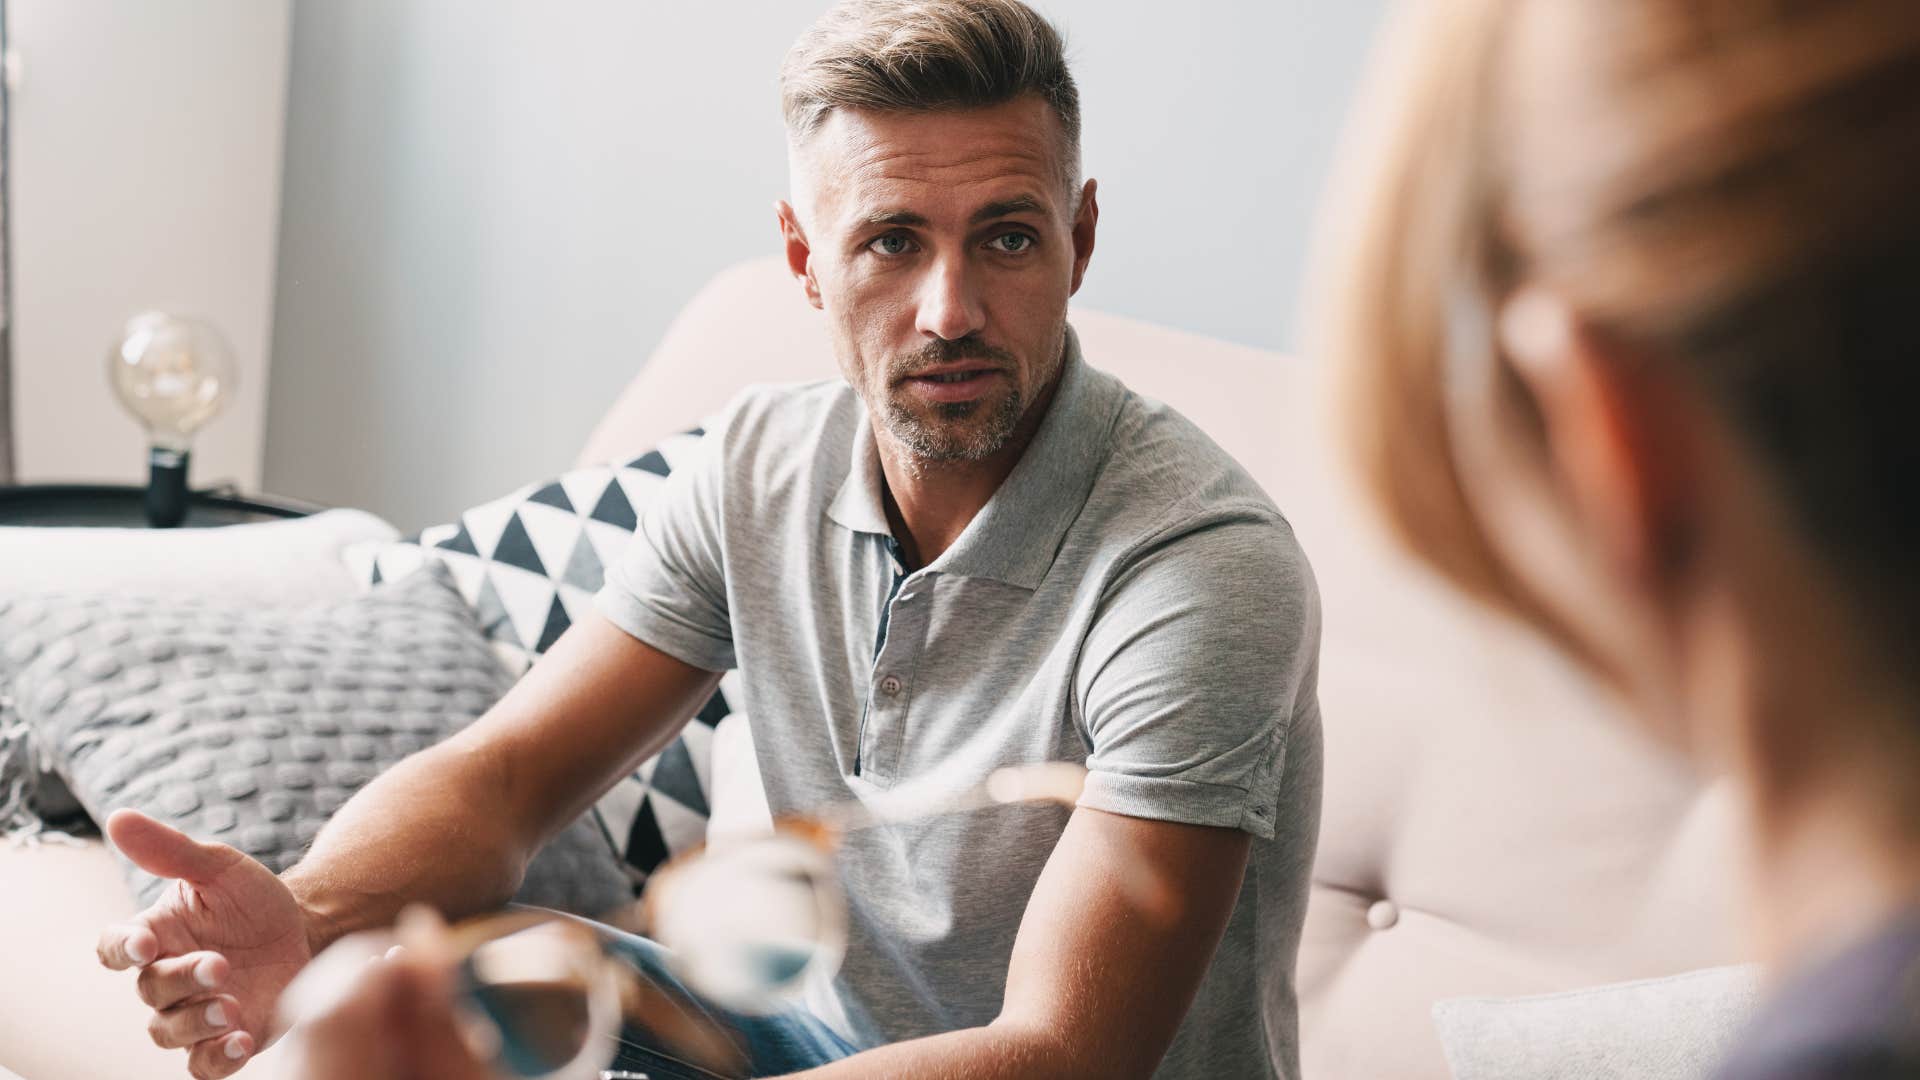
(541, 998)
(747, 924)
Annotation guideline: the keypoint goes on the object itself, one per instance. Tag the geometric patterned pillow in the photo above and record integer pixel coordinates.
(529, 563)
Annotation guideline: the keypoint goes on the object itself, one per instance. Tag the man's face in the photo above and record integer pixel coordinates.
(943, 247)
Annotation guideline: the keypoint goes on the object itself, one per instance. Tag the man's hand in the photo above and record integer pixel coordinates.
(214, 952)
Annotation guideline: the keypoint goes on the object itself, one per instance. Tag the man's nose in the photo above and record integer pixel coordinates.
(950, 302)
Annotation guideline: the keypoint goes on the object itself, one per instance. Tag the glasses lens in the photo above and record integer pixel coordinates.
(542, 1027)
(534, 987)
(746, 923)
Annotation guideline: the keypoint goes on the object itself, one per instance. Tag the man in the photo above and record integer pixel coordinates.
(976, 551)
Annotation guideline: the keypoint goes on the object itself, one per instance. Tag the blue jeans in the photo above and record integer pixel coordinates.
(786, 1041)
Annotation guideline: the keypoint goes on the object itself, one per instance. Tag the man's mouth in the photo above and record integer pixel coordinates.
(951, 383)
(954, 371)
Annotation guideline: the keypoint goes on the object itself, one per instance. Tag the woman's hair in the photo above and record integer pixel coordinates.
(1727, 187)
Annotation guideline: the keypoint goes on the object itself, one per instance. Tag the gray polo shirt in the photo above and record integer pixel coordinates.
(1129, 599)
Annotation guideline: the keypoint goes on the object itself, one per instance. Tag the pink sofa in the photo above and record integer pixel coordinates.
(1489, 828)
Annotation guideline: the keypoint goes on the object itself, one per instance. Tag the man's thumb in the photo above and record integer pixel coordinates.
(164, 851)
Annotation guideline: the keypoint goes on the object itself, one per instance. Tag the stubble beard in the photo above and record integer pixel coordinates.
(946, 436)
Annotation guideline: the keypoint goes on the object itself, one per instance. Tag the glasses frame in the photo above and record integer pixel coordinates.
(619, 991)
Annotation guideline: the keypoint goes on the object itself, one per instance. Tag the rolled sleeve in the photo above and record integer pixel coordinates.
(1204, 651)
(669, 586)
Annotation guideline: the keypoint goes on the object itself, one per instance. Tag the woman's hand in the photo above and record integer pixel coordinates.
(369, 1010)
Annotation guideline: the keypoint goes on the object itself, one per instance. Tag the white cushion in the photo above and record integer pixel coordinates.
(1673, 1028)
(275, 563)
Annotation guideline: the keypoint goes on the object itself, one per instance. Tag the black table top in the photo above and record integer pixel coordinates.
(124, 506)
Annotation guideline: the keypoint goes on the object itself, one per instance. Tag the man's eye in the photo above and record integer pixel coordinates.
(1012, 243)
(890, 244)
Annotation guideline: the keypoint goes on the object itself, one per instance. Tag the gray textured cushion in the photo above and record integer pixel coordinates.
(252, 726)
(274, 563)
(1674, 1028)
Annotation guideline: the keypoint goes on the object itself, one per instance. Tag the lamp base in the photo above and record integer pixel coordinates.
(166, 487)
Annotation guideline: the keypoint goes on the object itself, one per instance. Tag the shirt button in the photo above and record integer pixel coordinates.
(890, 685)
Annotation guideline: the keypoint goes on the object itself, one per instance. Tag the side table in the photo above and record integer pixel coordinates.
(124, 506)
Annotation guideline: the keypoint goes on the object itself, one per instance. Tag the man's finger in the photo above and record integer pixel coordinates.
(165, 983)
(125, 945)
(194, 1022)
(220, 1057)
(164, 851)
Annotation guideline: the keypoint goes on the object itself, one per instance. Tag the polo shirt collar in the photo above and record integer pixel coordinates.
(858, 505)
(1016, 535)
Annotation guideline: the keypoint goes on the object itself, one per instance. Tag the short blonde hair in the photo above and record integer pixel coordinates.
(925, 56)
(1728, 187)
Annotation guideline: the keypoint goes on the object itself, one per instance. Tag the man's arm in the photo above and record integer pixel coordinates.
(455, 825)
(1116, 938)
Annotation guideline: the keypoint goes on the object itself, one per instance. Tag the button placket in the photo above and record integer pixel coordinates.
(898, 576)
(905, 645)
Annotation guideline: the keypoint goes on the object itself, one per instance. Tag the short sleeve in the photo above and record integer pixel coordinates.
(669, 587)
(1203, 651)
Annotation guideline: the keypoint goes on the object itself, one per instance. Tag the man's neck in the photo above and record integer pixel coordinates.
(929, 504)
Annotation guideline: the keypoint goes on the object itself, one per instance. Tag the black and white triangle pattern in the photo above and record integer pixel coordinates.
(529, 564)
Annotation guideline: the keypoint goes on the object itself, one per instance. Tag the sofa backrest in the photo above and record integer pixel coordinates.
(1492, 826)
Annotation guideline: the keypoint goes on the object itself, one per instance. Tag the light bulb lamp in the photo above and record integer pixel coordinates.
(173, 374)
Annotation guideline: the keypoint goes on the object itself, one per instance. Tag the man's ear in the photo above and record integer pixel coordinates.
(1084, 224)
(799, 253)
(1617, 432)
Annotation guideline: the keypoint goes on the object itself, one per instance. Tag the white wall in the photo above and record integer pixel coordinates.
(493, 209)
(146, 174)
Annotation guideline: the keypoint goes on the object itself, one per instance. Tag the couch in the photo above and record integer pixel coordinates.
(1491, 826)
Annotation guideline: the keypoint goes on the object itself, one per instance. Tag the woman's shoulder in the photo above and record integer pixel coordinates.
(1854, 1015)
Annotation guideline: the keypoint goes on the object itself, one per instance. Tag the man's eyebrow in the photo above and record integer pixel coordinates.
(1020, 204)
(893, 217)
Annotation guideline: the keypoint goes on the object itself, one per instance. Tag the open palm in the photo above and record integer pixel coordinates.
(214, 951)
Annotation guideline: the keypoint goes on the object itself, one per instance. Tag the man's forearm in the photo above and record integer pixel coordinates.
(422, 832)
(1061, 1019)
(984, 1053)
(455, 825)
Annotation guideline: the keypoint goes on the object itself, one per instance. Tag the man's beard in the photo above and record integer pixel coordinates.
(946, 435)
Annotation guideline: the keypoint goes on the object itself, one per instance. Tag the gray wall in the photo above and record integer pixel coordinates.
(492, 210)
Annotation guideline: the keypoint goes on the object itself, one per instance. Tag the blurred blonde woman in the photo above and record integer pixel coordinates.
(1626, 296)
